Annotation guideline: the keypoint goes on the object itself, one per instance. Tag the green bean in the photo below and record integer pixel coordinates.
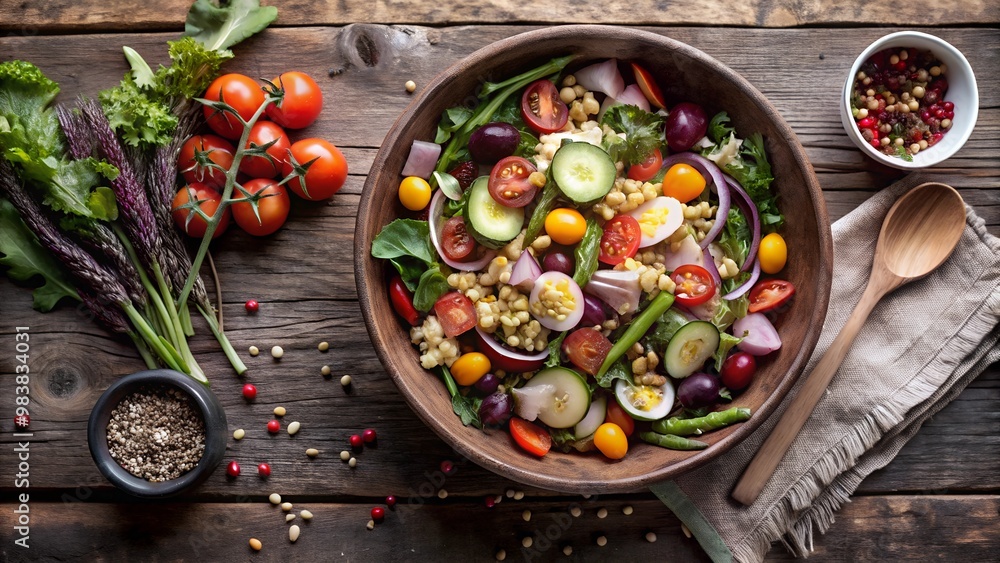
(672, 442)
(696, 426)
(637, 328)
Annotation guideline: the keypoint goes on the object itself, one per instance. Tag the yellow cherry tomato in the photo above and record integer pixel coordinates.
(469, 368)
(414, 193)
(565, 225)
(683, 183)
(772, 253)
(611, 440)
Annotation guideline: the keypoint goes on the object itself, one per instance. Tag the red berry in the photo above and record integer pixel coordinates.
(356, 441)
(465, 173)
(390, 501)
(875, 143)
(273, 426)
(249, 391)
(233, 470)
(447, 467)
(490, 501)
(949, 114)
(368, 436)
(948, 106)
(252, 306)
(378, 514)
(866, 123)
(264, 470)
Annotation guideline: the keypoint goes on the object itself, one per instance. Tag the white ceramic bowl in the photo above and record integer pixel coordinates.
(962, 91)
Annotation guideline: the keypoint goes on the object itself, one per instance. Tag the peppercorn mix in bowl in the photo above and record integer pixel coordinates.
(686, 75)
(910, 100)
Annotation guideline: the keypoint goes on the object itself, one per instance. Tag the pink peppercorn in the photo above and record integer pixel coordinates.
(356, 441)
(264, 470)
(273, 426)
(252, 306)
(378, 514)
(233, 470)
(249, 391)
(369, 436)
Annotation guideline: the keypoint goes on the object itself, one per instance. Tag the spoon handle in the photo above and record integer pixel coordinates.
(757, 474)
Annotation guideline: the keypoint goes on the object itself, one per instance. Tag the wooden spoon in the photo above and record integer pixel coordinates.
(919, 233)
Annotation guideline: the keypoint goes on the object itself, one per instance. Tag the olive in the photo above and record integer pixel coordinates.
(493, 141)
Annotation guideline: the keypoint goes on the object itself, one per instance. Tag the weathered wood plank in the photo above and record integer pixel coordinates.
(66, 16)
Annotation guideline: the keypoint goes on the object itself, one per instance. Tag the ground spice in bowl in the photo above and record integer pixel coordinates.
(156, 433)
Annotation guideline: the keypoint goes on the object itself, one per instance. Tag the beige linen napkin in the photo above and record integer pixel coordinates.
(914, 355)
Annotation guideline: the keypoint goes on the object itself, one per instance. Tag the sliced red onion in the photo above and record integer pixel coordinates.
(759, 335)
(749, 209)
(506, 359)
(711, 267)
(422, 159)
(602, 77)
(526, 270)
(633, 96)
(620, 289)
(707, 168)
(436, 222)
(754, 274)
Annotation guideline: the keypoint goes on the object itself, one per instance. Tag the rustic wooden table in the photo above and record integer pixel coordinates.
(939, 499)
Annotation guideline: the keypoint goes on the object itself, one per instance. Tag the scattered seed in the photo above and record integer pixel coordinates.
(279, 411)
(312, 452)
(568, 550)
(289, 517)
(293, 533)
(527, 541)
(353, 462)
(325, 371)
(442, 494)
(510, 493)
(275, 498)
(602, 541)
(239, 434)
(497, 499)
(586, 496)
(650, 537)
(254, 351)
(687, 532)
(324, 346)
(293, 428)
(602, 513)
(526, 515)
(345, 381)
(501, 554)
(370, 525)
(411, 86)
(255, 544)
(627, 510)
(277, 352)
(286, 506)
(519, 495)
(345, 455)
(306, 515)
(575, 511)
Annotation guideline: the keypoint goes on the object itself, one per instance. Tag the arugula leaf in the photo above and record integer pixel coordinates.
(643, 131)
(404, 237)
(718, 128)
(220, 25)
(451, 120)
(467, 408)
(726, 343)
(618, 370)
(25, 258)
(432, 284)
(586, 252)
(555, 350)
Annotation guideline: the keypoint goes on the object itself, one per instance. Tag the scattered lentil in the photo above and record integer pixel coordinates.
(289, 517)
(527, 541)
(650, 537)
(567, 550)
(345, 455)
(325, 371)
(501, 554)
(370, 525)
(345, 381)
(312, 452)
(526, 515)
(277, 352)
(627, 510)
(519, 495)
(602, 513)
(239, 434)
(442, 494)
(411, 86)
(575, 511)
(286, 506)
(255, 544)
(602, 541)
(306, 515)
(279, 411)
(254, 350)
(510, 493)
(275, 498)
(293, 428)
(324, 346)
(687, 532)
(353, 462)
(293, 533)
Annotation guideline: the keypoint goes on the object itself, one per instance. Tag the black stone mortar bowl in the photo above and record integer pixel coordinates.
(203, 401)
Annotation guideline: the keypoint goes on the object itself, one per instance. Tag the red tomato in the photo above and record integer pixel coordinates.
(532, 438)
(541, 107)
(647, 169)
(617, 415)
(207, 200)
(323, 177)
(620, 239)
(509, 183)
(242, 93)
(648, 86)
(402, 300)
(456, 313)
(737, 371)
(262, 133)
(301, 103)
(586, 349)
(456, 242)
(694, 285)
(272, 207)
(770, 294)
(196, 155)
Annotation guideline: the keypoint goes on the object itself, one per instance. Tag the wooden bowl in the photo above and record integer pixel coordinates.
(687, 74)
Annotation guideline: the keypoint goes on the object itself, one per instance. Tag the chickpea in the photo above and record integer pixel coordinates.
(861, 75)
(894, 59)
(870, 92)
(899, 141)
(884, 141)
(918, 92)
(904, 54)
(923, 144)
(872, 104)
(914, 105)
(945, 123)
(915, 148)
(935, 71)
(862, 113)
(922, 75)
(579, 91)
(567, 95)
(569, 80)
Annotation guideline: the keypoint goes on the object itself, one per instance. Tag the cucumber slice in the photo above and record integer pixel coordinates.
(558, 397)
(583, 172)
(491, 224)
(593, 420)
(689, 349)
(645, 402)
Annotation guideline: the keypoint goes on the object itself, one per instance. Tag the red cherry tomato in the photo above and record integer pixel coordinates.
(206, 199)
(301, 103)
(198, 153)
(648, 86)
(647, 169)
(694, 285)
(620, 239)
(402, 300)
(532, 438)
(541, 107)
(262, 133)
(324, 177)
(509, 183)
(770, 294)
(456, 313)
(737, 371)
(242, 93)
(456, 242)
(586, 349)
(272, 207)
(617, 415)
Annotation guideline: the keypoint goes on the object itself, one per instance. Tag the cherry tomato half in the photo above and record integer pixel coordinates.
(694, 285)
(272, 207)
(541, 107)
(509, 183)
(683, 183)
(770, 294)
(207, 200)
(617, 415)
(324, 176)
(586, 349)
(737, 371)
(402, 300)
(530, 437)
(647, 169)
(196, 155)
(456, 313)
(262, 133)
(649, 87)
(301, 103)
(620, 239)
(242, 93)
(456, 242)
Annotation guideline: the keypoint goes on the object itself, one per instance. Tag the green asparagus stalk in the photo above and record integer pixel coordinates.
(672, 442)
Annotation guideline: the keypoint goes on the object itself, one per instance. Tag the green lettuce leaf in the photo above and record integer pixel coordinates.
(726, 343)
(25, 258)
(555, 350)
(220, 25)
(643, 132)
(587, 251)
